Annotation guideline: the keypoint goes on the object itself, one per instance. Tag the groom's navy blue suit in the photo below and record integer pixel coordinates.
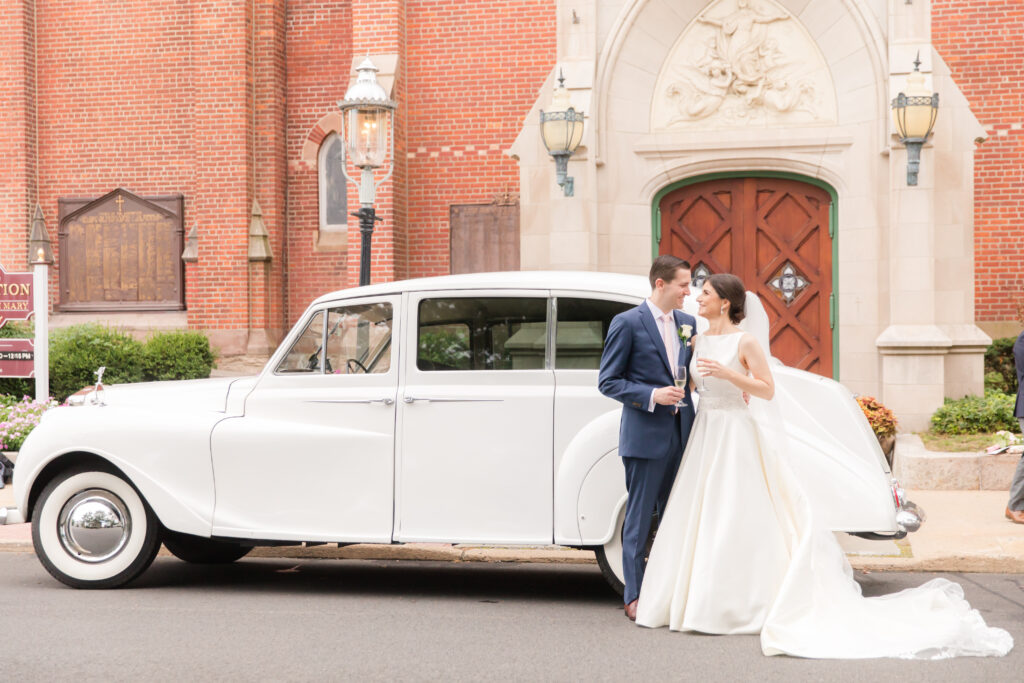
(651, 444)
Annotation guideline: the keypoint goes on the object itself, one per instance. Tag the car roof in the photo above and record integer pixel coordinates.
(573, 280)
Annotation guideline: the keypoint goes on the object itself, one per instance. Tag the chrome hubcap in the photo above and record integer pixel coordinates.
(94, 525)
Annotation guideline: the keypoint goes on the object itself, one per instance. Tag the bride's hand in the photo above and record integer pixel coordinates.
(707, 367)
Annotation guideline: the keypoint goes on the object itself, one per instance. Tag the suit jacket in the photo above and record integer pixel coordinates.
(1018, 361)
(633, 364)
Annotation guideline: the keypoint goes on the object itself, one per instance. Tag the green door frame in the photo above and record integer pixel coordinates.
(833, 225)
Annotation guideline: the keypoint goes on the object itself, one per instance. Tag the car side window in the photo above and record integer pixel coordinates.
(305, 355)
(581, 330)
(487, 333)
(359, 339)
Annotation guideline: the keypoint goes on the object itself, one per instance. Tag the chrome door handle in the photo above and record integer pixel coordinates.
(413, 399)
(386, 401)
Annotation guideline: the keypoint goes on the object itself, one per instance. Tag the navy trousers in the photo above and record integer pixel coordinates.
(648, 483)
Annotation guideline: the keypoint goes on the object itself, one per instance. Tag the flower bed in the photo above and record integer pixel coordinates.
(19, 418)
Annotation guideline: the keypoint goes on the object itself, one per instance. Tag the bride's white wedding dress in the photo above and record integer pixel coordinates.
(739, 552)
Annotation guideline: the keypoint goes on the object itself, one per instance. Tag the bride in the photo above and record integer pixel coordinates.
(739, 550)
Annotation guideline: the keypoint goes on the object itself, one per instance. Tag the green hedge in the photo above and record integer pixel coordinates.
(177, 355)
(77, 351)
(999, 360)
(976, 414)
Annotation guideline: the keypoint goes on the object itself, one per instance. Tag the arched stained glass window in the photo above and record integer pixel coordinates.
(333, 187)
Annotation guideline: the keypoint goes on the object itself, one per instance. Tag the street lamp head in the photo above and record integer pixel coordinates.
(561, 129)
(368, 111)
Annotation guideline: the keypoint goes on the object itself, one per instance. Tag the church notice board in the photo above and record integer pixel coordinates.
(121, 252)
(17, 356)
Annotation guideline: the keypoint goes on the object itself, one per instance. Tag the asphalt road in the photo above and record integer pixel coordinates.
(281, 619)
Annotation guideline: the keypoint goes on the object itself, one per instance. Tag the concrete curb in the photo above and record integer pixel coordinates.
(916, 467)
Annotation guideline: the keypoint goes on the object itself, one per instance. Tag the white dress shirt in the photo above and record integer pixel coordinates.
(675, 341)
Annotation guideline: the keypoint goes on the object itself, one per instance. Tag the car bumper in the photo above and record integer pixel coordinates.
(909, 517)
(11, 516)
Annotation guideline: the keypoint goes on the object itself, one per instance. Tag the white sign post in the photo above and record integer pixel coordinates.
(41, 304)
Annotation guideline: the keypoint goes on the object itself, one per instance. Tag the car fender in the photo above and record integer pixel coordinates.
(168, 461)
(576, 473)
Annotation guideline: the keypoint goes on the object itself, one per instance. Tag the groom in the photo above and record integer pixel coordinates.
(644, 347)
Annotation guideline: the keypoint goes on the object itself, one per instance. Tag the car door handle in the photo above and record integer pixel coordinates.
(413, 399)
(386, 401)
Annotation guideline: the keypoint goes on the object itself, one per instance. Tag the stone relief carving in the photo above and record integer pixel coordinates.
(743, 62)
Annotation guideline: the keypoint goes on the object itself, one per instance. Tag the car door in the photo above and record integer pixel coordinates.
(312, 458)
(582, 321)
(475, 411)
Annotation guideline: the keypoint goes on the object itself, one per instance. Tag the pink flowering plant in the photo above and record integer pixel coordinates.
(18, 418)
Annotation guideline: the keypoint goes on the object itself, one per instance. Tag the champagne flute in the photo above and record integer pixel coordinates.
(701, 386)
(681, 384)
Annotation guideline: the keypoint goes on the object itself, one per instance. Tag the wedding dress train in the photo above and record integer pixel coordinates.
(738, 551)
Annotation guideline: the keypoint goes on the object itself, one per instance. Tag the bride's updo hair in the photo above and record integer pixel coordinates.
(731, 289)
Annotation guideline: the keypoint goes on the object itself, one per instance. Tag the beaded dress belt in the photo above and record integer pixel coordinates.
(722, 403)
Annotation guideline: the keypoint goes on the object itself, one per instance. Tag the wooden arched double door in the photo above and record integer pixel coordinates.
(774, 234)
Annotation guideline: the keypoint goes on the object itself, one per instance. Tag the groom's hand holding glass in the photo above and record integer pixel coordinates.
(668, 396)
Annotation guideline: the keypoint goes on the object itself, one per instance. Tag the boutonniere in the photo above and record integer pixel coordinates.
(685, 332)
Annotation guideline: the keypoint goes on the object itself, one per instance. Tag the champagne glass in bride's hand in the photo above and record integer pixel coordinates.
(681, 384)
(701, 386)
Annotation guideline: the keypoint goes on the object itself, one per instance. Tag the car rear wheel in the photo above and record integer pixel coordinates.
(92, 529)
(609, 555)
(199, 550)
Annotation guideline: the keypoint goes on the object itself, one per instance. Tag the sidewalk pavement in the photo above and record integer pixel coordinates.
(965, 531)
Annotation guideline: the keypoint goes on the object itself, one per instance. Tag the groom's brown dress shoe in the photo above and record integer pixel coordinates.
(631, 610)
(1015, 516)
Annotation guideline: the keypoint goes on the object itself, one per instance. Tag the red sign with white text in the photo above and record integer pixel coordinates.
(17, 358)
(15, 296)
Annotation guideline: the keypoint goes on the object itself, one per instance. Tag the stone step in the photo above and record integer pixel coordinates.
(918, 468)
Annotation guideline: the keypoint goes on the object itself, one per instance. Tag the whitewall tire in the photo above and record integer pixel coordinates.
(92, 529)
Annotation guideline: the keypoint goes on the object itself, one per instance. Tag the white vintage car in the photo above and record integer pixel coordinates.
(459, 409)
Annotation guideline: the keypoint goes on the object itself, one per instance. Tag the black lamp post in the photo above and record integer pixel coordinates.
(367, 117)
(914, 113)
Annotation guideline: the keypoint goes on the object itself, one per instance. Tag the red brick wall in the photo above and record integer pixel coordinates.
(318, 62)
(470, 73)
(983, 43)
(17, 131)
(474, 69)
(114, 102)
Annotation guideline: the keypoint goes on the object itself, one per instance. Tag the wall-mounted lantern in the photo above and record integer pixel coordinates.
(914, 113)
(561, 128)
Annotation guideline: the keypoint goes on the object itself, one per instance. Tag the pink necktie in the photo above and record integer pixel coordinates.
(666, 335)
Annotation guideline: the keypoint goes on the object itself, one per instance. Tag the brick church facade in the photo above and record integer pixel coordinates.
(226, 109)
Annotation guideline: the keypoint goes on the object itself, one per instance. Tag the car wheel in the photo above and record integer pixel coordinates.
(92, 529)
(199, 550)
(609, 555)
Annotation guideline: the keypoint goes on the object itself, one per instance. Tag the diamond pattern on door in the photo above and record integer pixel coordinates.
(774, 234)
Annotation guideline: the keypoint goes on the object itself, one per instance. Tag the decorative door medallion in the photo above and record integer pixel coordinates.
(774, 234)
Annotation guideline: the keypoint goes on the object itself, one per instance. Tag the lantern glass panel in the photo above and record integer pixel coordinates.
(368, 136)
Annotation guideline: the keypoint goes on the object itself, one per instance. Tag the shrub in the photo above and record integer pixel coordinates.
(77, 351)
(999, 359)
(15, 386)
(976, 414)
(177, 355)
(882, 421)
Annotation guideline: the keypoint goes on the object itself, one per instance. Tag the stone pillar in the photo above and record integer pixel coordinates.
(931, 348)
(559, 232)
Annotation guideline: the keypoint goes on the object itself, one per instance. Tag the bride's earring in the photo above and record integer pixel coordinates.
(722, 312)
